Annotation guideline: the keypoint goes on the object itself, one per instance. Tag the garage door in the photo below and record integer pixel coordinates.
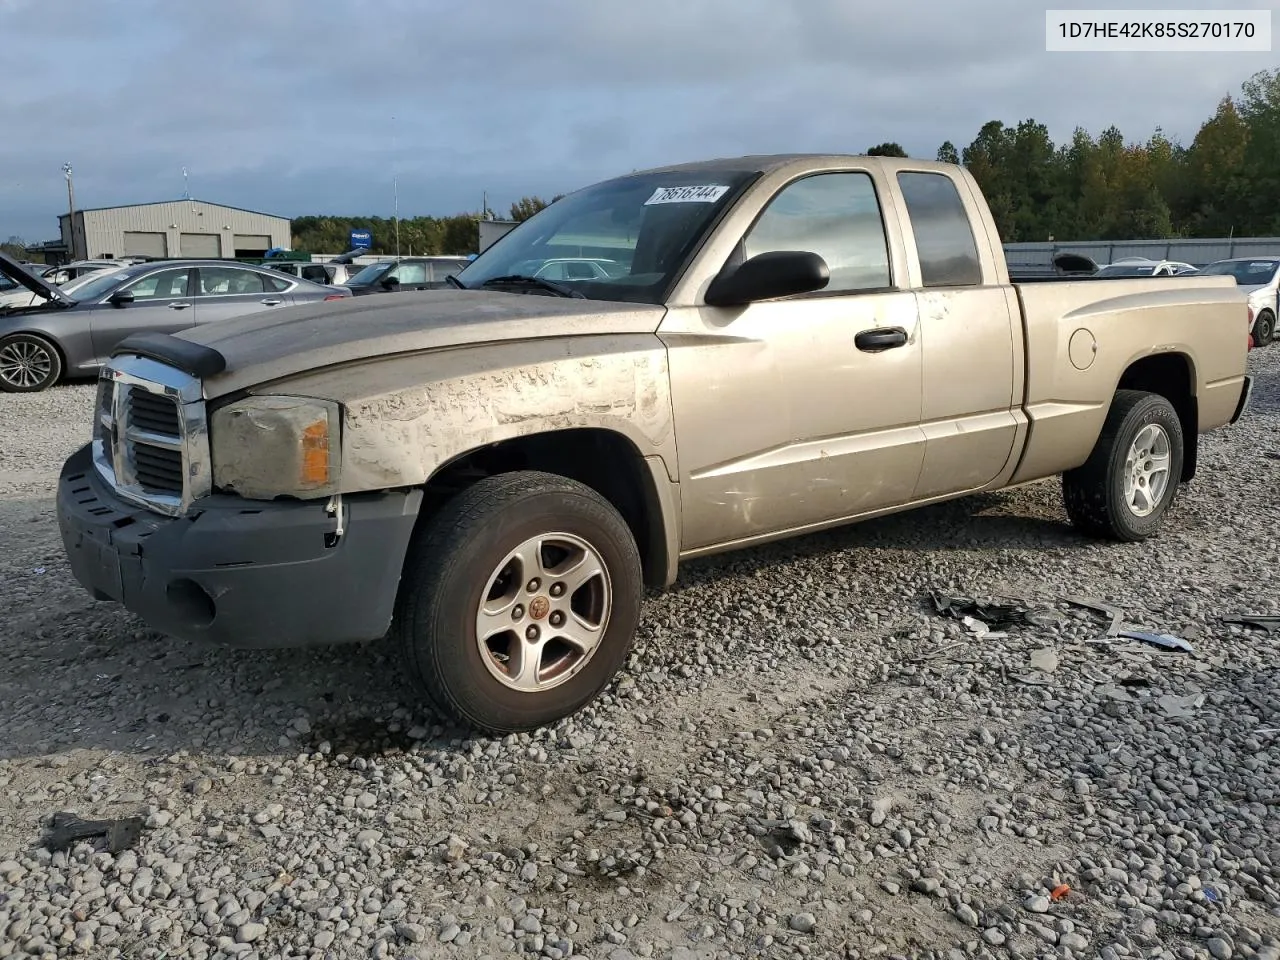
(248, 245)
(201, 245)
(138, 244)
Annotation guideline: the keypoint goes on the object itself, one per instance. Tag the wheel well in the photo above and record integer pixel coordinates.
(1169, 375)
(603, 460)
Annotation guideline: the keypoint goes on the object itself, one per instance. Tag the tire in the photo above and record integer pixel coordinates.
(1264, 328)
(1095, 492)
(28, 364)
(460, 557)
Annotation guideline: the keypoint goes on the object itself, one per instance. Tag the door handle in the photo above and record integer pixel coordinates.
(179, 306)
(271, 301)
(881, 338)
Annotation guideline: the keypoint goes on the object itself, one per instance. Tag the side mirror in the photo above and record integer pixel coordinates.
(391, 283)
(781, 273)
(120, 298)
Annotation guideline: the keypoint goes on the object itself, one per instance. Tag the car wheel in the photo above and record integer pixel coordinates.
(1127, 485)
(1264, 328)
(519, 601)
(28, 363)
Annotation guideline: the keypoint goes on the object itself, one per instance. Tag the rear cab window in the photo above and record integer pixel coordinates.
(945, 244)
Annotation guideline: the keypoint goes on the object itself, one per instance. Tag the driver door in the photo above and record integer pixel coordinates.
(162, 303)
(792, 413)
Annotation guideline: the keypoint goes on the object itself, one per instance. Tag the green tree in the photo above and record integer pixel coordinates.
(1259, 209)
(886, 149)
(526, 207)
(947, 153)
(15, 247)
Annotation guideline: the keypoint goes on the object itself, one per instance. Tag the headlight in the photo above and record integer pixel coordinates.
(265, 447)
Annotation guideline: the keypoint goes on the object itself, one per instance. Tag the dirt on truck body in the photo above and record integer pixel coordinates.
(493, 472)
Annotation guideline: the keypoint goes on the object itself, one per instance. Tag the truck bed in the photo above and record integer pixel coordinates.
(1079, 344)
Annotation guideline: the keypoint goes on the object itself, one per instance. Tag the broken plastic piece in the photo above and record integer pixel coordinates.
(1263, 621)
(1059, 892)
(1117, 616)
(1045, 659)
(992, 614)
(1166, 640)
(67, 829)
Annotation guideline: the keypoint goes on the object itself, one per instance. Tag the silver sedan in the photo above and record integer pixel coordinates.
(71, 335)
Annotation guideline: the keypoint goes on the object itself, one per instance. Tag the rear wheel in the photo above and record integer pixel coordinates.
(1127, 485)
(28, 363)
(519, 601)
(1264, 328)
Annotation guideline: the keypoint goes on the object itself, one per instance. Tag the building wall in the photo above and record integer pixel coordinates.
(102, 232)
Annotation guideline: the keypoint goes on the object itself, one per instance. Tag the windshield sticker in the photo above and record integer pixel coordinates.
(704, 194)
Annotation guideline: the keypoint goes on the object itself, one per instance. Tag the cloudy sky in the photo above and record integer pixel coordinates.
(313, 106)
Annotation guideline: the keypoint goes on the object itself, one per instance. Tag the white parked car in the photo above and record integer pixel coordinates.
(1142, 267)
(1259, 278)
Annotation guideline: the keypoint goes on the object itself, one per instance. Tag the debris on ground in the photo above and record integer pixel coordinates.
(1045, 659)
(1060, 891)
(989, 613)
(1087, 603)
(68, 829)
(1180, 707)
(1165, 640)
(1263, 621)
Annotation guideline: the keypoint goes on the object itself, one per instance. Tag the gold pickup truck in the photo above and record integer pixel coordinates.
(661, 366)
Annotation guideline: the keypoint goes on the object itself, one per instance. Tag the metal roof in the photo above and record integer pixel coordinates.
(160, 203)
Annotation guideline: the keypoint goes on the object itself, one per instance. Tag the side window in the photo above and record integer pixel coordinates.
(442, 268)
(315, 273)
(411, 273)
(944, 236)
(554, 271)
(229, 281)
(580, 271)
(162, 285)
(276, 284)
(835, 215)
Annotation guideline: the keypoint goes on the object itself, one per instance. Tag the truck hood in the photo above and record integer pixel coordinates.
(38, 285)
(274, 345)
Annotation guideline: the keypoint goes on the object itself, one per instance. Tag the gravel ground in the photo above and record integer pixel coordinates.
(802, 759)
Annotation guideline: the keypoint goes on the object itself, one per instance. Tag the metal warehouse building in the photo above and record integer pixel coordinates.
(175, 228)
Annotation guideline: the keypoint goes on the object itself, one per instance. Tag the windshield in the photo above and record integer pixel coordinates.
(623, 239)
(1248, 273)
(100, 284)
(370, 273)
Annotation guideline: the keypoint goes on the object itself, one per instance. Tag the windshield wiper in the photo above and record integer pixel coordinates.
(559, 289)
(454, 281)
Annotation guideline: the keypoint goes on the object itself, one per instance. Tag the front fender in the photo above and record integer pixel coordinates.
(406, 416)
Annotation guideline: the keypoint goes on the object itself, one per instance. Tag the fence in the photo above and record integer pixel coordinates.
(1037, 258)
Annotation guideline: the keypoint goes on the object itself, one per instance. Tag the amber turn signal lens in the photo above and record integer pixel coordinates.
(315, 454)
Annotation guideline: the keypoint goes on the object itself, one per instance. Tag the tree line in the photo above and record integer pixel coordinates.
(1226, 182)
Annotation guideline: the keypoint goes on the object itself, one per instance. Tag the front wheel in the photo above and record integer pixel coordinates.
(519, 601)
(28, 363)
(1264, 328)
(1127, 485)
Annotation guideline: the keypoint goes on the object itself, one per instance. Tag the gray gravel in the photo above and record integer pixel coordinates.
(801, 760)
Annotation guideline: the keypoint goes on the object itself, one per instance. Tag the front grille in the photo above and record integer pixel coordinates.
(153, 413)
(150, 441)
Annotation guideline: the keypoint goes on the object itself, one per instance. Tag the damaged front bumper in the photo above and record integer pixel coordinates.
(239, 572)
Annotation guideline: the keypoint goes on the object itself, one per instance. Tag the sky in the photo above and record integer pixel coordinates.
(297, 107)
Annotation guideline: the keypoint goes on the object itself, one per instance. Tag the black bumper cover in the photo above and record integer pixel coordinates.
(238, 572)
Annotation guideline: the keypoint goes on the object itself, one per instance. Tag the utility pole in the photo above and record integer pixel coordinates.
(395, 187)
(71, 210)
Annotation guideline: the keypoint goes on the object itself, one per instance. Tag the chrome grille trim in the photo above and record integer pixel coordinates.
(137, 459)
